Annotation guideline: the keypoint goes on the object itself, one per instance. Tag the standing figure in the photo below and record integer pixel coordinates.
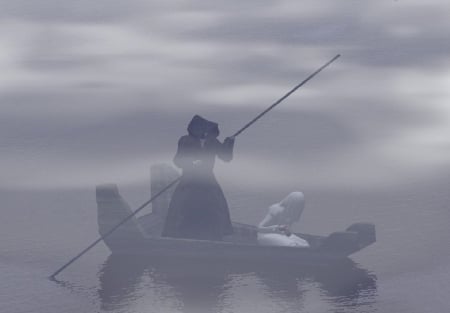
(198, 208)
(274, 229)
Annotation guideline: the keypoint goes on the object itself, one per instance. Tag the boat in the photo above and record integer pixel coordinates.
(141, 236)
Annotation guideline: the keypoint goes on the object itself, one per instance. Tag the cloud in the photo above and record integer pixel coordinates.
(46, 11)
(369, 169)
(43, 171)
(82, 81)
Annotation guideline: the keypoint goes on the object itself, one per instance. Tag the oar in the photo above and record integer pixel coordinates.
(52, 277)
(285, 96)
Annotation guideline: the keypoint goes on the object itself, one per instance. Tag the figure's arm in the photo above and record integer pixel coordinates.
(225, 149)
(185, 157)
(268, 224)
(271, 223)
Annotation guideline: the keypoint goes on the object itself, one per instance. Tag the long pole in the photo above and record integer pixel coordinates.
(113, 229)
(285, 96)
(52, 277)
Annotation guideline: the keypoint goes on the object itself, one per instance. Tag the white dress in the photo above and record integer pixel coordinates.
(274, 239)
(285, 213)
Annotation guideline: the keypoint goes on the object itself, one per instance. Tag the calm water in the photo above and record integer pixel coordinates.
(45, 223)
(407, 270)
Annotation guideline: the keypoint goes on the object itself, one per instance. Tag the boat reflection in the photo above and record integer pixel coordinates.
(119, 280)
(202, 287)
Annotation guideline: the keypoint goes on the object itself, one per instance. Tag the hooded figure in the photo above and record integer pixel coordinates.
(198, 208)
(274, 229)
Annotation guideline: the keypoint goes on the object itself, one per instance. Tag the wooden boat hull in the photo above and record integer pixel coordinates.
(140, 237)
(167, 248)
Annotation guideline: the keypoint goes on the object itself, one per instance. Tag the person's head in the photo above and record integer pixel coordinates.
(293, 204)
(201, 128)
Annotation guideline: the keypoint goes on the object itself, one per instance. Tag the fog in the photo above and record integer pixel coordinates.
(95, 92)
(78, 78)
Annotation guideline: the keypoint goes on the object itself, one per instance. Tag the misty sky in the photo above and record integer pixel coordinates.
(95, 91)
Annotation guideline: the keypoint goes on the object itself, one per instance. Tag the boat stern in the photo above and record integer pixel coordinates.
(355, 238)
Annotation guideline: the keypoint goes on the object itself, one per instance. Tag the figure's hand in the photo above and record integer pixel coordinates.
(197, 162)
(230, 139)
(284, 229)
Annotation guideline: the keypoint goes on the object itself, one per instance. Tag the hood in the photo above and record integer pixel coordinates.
(294, 204)
(199, 127)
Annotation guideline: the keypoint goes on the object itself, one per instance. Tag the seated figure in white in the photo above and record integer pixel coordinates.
(274, 229)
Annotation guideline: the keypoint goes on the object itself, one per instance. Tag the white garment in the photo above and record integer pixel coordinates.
(274, 239)
(282, 215)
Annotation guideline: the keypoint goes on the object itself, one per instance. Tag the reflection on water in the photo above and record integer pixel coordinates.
(128, 285)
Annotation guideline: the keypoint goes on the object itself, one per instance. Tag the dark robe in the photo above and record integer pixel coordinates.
(198, 208)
